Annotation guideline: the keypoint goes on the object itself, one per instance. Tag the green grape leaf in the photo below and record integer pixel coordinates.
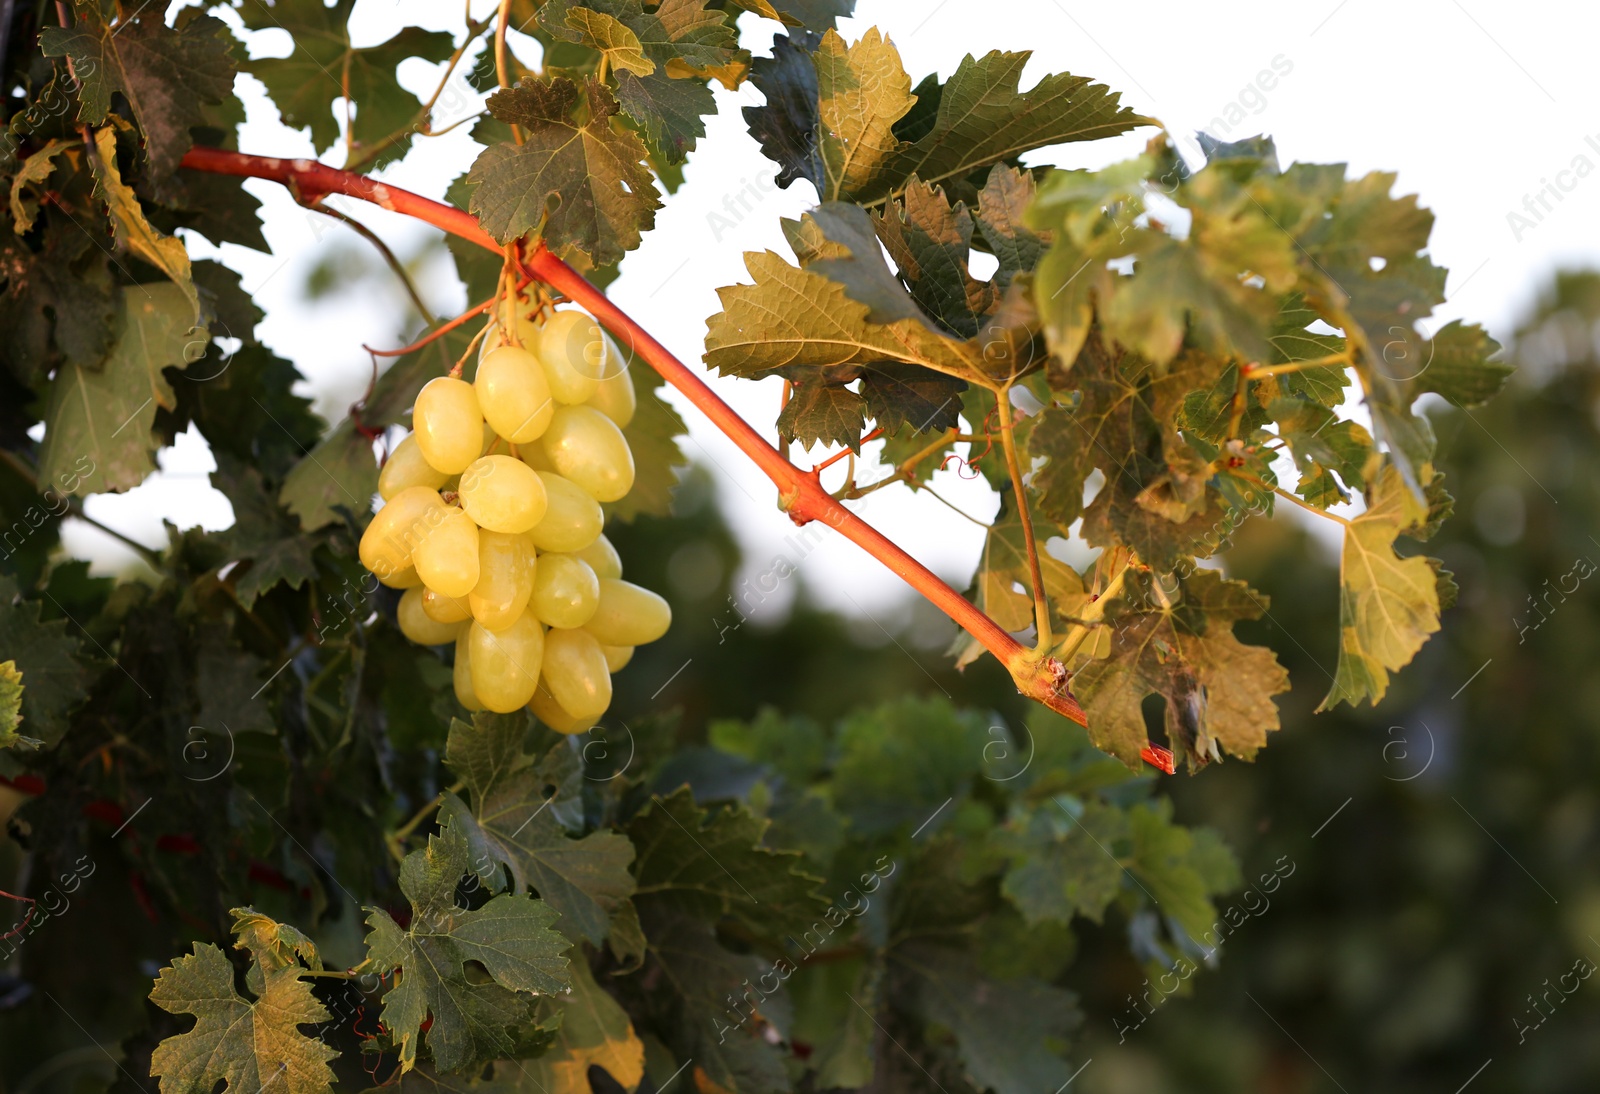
(509, 937)
(702, 977)
(47, 656)
(838, 241)
(900, 395)
(1292, 343)
(654, 436)
(930, 241)
(221, 210)
(1008, 1033)
(786, 126)
(1218, 691)
(979, 117)
(514, 822)
(65, 291)
(669, 111)
(262, 533)
(11, 693)
(1459, 368)
(795, 321)
(324, 60)
(1319, 487)
(1180, 867)
(1002, 207)
(133, 231)
(99, 422)
(686, 33)
(1062, 863)
(812, 14)
(245, 1043)
(822, 413)
(1316, 435)
(899, 762)
(862, 92)
(244, 404)
(710, 864)
(594, 1032)
(338, 473)
(604, 195)
(1388, 605)
(166, 73)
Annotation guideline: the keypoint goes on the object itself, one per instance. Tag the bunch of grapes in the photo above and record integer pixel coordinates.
(491, 522)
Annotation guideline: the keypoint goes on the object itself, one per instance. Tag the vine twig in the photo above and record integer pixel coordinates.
(799, 493)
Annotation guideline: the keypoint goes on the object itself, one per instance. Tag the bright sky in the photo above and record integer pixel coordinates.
(1476, 109)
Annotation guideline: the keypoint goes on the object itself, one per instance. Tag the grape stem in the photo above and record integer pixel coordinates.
(800, 491)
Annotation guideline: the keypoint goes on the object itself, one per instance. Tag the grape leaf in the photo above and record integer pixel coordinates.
(837, 240)
(615, 41)
(604, 195)
(685, 33)
(653, 436)
(324, 61)
(711, 864)
(929, 241)
(1316, 435)
(166, 73)
(594, 1032)
(1002, 204)
(134, 232)
(786, 126)
(37, 168)
(899, 762)
(338, 473)
(510, 937)
(65, 290)
(1062, 862)
(262, 533)
(862, 90)
(54, 681)
(1218, 691)
(1008, 1033)
(245, 404)
(98, 422)
(1459, 368)
(247, 1044)
(814, 14)
(822, 413)
(1388, 605)
(792, 320)
(1180, 867)
(979, 117)
(668, 110)
(11, 693)
(221, 210)
(513, 822)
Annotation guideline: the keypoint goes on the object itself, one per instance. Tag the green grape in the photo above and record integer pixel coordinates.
(394, 532)
(448, 424)
(628, 615)
(445, 609)
(506, 663)
(502, 494)
(588, 448)
(575, 672)
(447, 556)
(505, 579)
(572, 520)
(614, 397)
(565, 591)
(548, 711)
(533, 455)
(461, 675)
(420, 627)
(405, 468)
(617, 657)
(602, 557)
(572, 349)
(514, 394)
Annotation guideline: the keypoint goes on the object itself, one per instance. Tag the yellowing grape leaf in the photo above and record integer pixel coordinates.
(863, 90)
(815, 14)
(509, 937)
(165, 253)
(595, 174)
(601, 31)
(1388, 605)
(1180, 645)
(11, 692)
(594, 1032)
(248, 1044)
(514, 822)
(36, 168)
(98, 423)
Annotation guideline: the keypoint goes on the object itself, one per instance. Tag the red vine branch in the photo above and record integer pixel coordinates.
(800, 491)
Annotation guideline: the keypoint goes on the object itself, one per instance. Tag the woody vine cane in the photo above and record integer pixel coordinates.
(1037, 675)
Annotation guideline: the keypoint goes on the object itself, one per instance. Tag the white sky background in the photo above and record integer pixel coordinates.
(1474, 106)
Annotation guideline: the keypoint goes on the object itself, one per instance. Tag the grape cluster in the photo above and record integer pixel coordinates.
(491, 523)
